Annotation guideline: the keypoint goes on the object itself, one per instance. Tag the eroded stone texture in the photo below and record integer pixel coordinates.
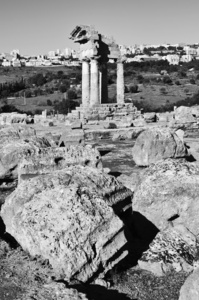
(184, 114)
(168, 192)
(47, 160)
(68, 217)
(190, 289)
(55, 291)
(10, 133)
(72, 137)
(150, 117)
(155, 144)
(174, 248)
(12, 144)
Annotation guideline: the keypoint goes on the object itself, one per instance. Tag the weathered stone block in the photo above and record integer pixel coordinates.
(67, 217)
(72, 137)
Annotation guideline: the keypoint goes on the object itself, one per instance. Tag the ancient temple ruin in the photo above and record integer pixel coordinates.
(95, 52)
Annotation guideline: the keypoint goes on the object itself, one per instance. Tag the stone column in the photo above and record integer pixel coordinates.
(85, 83)
(104, 83)
(94, 92)
(120, 82)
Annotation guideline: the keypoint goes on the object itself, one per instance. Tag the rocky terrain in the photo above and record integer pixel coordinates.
(111, 218)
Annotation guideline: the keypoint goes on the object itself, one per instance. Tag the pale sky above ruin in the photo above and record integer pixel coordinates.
(38, 26)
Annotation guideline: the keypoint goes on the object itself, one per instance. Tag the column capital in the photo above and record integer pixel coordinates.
(85, 59)
(121, 59)
(95, 58)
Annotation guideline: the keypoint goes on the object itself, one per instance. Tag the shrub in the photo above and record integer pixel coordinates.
(186, 91)
(163, 90)
(126, 89)
(38, 111)
(167, 80)
(49, 102)
(72, 94)
(133, 88)
(192, 81)
(28, 93)
(140, 78)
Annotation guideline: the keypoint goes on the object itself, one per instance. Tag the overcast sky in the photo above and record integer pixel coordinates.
(38, 26)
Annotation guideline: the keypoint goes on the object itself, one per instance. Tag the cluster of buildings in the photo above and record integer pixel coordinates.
(66, 57)
(174, 54)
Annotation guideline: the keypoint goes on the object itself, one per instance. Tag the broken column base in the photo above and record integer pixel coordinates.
(108, 112)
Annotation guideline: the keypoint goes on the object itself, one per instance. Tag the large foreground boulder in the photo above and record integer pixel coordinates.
(155, 144)
(168, 194)
(69, 218)
(190, 289)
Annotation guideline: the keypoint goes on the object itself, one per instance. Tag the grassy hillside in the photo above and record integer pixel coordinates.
(151, 85)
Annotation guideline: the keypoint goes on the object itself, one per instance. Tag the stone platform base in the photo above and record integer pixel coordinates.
(108, 112)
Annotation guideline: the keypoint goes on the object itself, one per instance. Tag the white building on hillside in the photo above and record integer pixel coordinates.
(173, 59)
(186, 58)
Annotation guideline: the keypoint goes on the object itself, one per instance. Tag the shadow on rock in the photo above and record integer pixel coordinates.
(6, 236)
(139, 232)
(98, 292)
(115, 174)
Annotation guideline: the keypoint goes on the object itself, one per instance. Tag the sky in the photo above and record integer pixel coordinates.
(38, 26)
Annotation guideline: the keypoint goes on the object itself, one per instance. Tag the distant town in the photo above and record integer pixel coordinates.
(174, 54)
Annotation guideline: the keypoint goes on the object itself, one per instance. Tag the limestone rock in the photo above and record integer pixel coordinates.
(132, 180)
(76, 125)
(13, 144)
(150, 117)
(14, 117)
(155, 144)
(47, 160)
(110, 125)
(184, 114)
(72, 137)
(55, 291)
(139, 122)
(18, 118)
(168, 193)
(69, 218)
(15, 133)
(190, 289)
(174, 248)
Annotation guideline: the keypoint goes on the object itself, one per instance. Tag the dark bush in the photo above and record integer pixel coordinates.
(163, 90)
(192, 81)
(72, 94)
(133, 88)
(65, 106)
(49, 102)
(167, 80)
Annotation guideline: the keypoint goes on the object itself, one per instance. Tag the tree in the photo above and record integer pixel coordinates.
(72, 94)
(192, 81)
(163, 90)
(49, 102)
(28, 93)
(133, 88)
(63, 88)
(65, 106)
(167, 80)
